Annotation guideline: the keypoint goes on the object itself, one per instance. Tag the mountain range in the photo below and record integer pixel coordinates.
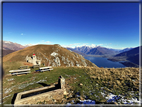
(53, 55)
(97, 50)
(9, 47)
(131, 54)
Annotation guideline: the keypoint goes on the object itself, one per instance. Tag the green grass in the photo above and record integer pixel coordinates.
(74, 76)
(10, 65)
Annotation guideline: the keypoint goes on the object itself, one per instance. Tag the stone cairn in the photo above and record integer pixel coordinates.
(61, 84)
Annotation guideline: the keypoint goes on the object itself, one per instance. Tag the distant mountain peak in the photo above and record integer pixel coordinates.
(8, 45)
(7, 42)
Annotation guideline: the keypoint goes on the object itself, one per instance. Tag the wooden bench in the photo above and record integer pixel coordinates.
(45, 68)
(23, 67)
(36, 66)
(21, 71)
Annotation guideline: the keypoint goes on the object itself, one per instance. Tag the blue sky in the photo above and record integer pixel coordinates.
(112, 25)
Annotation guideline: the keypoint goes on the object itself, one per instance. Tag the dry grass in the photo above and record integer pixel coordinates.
(11, 65)
(116, 78)
(113, 80)
(44, 51)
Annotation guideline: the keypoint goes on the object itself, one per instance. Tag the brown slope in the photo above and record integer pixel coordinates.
(5, 52)
(7, 45)
(44, 52)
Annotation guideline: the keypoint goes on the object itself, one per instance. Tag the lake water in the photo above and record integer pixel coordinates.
(103, 62)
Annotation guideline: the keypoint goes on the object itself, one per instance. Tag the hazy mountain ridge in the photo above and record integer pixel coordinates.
(131, 55)
(71, 49)
(7, 45)
(98, 50)
(124, 50)
(5, 52)
(128, 56)
(83, 49)
(102, 51)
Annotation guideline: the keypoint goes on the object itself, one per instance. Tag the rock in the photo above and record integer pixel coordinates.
(67, 60)
(53, 100)
(77, 65)
(84, 63)
(63, 58)
(81, 98)
(57, 61)
(116, 103)
(80, 84)
(68, 64)
(72, 64)
(53, 64)
(70, 95)
(54, 54)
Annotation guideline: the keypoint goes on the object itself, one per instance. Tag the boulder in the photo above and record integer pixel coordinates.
(57, 61)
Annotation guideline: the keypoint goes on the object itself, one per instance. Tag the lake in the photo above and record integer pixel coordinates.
(103, 62)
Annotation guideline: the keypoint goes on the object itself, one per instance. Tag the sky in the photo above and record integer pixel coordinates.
(111, 25)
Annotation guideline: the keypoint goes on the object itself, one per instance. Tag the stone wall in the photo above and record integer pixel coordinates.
(57, 93)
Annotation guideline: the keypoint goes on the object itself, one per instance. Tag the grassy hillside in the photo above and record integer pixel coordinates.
(93, 81)
(43, 52)
(90, 82)
(5, 52)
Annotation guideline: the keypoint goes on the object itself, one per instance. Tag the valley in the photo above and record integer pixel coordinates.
(129, 57)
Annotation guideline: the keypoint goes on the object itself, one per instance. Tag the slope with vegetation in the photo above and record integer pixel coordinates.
(131, 57)
(64, 57)
(81, 83)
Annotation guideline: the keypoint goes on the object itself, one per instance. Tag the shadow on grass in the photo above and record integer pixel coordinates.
(13, 99)
(43, 84)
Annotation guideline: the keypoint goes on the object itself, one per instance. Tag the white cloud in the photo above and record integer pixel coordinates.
(108, 46)
(81, 44)
(100, 44)
(121, 48)
(41, 42)
(85, 44)
(22, 34)
(44, 42)
(47, 42)
(93, 45)
(71, 45)
(74, 44)
(28, 44)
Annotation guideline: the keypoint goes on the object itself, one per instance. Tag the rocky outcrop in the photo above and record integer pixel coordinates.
(50, 55)
(57, 61)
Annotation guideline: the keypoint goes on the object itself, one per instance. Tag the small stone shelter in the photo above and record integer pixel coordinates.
(33, 60)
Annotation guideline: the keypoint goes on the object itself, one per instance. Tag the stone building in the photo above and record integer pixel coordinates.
(33, 60)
